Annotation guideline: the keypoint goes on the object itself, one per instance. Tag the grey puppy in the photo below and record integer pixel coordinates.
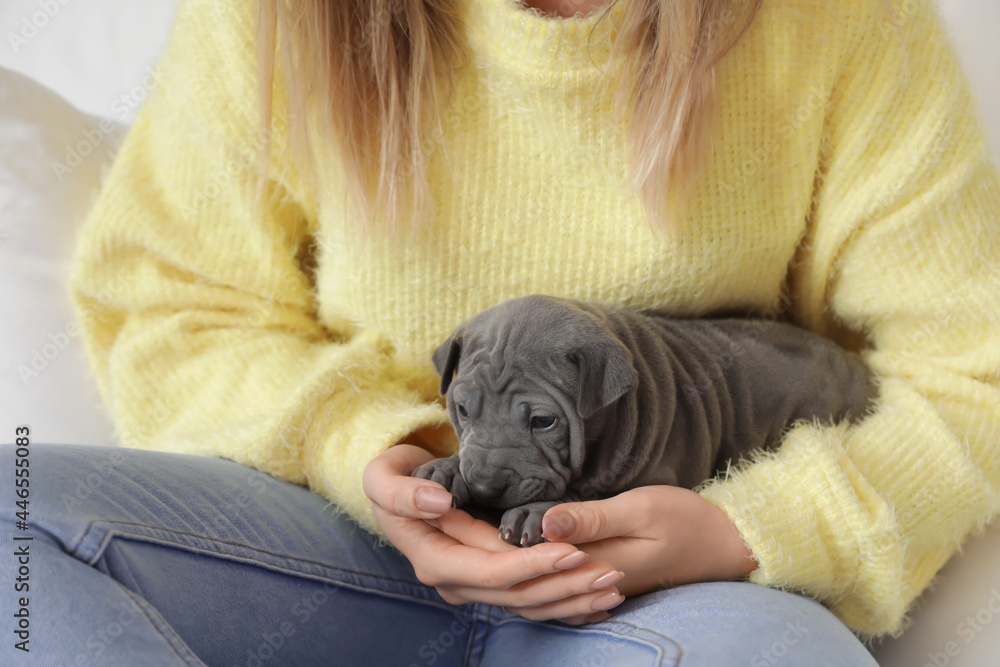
(558, 401)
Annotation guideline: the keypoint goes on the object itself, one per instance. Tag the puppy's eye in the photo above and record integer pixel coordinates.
(461, 410)
(542, 423)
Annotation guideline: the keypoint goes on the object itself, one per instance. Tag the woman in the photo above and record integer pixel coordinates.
(422, 160)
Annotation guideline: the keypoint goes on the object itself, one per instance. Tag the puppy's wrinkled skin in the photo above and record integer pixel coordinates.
(556, 401)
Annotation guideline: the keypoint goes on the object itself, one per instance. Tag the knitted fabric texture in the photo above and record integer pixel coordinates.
(849, 190)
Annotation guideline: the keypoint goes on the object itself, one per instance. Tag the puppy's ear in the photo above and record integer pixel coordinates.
(445, 359)
(605, 374)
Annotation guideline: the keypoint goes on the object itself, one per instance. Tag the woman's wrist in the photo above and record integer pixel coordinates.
(731, 558)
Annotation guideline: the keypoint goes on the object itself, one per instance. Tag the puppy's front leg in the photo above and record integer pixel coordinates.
(446, 473)
(522, 526)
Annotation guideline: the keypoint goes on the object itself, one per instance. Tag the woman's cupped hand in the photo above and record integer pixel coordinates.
(639, 541)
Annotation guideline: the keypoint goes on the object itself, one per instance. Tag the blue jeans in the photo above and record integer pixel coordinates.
(148, 558)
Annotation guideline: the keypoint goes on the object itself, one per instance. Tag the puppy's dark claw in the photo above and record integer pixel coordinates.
(525, 522)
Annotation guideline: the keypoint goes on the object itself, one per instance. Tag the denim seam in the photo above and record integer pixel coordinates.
(471, 646)
(124, 569)
(173, 640)
(98, 549)
(93, 524)
(603, 628)
(680, 649)
(486, 637)
(405, 590)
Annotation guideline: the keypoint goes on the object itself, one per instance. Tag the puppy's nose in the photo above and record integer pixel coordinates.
(480, 480)
(483, 491)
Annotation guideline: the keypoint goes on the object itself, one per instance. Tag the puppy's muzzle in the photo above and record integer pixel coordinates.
(486, 483)
(505, 487)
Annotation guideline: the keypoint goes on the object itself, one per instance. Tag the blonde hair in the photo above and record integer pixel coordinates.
(377, 73)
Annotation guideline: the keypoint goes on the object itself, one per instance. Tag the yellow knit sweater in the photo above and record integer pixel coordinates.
(850, 189)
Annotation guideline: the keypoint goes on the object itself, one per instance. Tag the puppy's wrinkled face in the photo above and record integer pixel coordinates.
(515, 435)
(520, 378)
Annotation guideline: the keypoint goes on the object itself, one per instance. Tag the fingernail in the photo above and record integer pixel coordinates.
(431, 499)
(571, 561)
(607, 601)
(558, 525)
(597, 617)
(433, 522)
(607, 580)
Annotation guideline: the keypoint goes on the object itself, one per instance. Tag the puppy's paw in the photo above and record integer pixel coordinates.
(522, 526)
(445, 472)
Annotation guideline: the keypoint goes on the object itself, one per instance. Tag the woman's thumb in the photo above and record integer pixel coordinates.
(387, 482)
(576, 523)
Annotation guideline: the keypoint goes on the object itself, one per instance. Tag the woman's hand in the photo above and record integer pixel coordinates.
(465, 560)
(659, 536)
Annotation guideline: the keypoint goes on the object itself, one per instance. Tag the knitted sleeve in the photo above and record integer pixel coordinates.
(904, 246)
(196, 311)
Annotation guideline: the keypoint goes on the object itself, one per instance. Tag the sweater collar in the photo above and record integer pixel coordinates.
(513, 35)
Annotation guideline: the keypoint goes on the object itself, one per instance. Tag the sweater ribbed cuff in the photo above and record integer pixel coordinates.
(815, 524)
(356, 432)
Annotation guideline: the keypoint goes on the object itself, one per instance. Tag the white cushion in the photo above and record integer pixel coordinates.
(51, 161)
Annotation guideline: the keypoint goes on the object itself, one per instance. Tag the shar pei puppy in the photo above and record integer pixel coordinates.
(558, 401)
